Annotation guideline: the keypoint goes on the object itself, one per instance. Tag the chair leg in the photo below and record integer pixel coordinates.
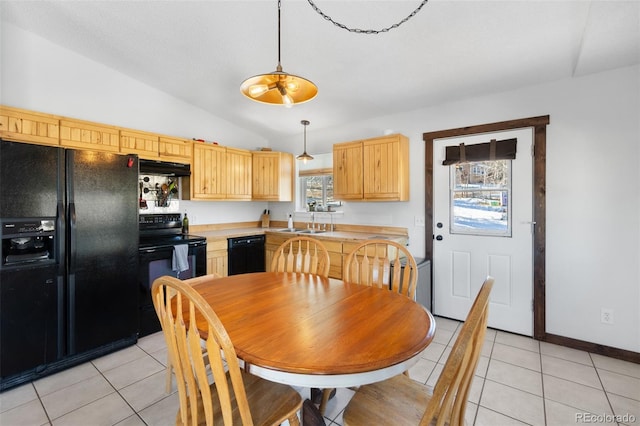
(326, 394)
(294, 420)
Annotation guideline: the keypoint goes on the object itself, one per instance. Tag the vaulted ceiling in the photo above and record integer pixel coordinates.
(201, 51)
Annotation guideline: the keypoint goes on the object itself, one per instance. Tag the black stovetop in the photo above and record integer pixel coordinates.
(164, 230)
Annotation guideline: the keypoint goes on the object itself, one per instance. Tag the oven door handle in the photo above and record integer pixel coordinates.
(148, 250)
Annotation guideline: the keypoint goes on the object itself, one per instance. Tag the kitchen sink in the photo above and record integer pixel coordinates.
(302, 231)
(311, 231)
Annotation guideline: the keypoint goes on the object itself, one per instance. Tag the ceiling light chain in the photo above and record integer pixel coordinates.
(361, 31)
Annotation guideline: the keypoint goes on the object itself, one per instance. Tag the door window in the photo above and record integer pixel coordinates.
(480, 195)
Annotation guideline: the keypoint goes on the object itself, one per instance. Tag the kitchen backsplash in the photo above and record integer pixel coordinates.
(158, 194)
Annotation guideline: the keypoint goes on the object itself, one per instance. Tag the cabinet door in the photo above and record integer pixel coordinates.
(208, 174)
(347, 171)
(386, 168)
(26, 126)
(146, 145)
(91, 136)
(176, 150)
(272, 176)
(239, 166)
(217, 262)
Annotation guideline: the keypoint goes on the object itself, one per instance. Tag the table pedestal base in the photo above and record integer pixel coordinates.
(316, 395)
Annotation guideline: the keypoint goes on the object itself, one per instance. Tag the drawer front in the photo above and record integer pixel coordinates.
(215, 245)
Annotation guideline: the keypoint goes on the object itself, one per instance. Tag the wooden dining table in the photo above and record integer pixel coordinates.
(311, 331)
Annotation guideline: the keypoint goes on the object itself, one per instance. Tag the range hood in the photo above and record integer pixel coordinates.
(153, 167)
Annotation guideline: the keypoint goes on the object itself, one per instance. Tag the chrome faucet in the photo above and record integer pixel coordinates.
(312, 224)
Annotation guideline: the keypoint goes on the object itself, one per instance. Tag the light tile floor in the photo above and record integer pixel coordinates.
(519, 381)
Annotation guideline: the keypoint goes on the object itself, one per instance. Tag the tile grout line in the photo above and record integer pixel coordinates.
(484, 380)
(606, 394)
(544, 399)
(46, 413)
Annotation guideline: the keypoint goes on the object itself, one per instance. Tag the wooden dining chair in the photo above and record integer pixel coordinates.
(233, 396)
(402, 401)
(379, 263)
(301, 254)
(169, 374)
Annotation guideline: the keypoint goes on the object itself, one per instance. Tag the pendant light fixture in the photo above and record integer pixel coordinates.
(279, 87)
(304, 156)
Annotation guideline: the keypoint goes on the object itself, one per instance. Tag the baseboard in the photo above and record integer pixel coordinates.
(595, 348)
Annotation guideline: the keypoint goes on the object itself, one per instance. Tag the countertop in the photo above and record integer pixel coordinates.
(337, 235)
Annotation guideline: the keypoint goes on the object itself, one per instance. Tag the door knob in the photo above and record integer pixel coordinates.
(439, 224)
(439, 237)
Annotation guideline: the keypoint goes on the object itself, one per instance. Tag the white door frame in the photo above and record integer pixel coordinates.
(539, 201)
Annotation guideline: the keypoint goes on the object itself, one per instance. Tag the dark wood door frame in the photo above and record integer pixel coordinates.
(539, 125)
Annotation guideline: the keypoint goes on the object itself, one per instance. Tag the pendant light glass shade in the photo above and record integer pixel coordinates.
(279, 87)
(304, 156)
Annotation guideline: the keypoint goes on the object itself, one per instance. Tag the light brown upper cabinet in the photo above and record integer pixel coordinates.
(146, 145)
(238, 174)
(347, 171)
(87, 135)
(273, 176)
(175, 150)
(208, 172)
(27, 126)
(372, 169)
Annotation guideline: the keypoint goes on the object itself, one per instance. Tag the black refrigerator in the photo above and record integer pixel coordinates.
(68, 276)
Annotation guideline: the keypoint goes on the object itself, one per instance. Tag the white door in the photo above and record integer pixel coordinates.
(484, 233)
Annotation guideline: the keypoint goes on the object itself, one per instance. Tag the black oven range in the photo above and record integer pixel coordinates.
(164, 250)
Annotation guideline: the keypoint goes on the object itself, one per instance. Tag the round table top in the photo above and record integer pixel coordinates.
(307, 325)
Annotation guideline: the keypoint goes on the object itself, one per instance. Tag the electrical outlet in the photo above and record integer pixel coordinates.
(419, 221)
(606, 316)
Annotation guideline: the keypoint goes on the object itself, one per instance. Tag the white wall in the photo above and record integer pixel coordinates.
(593, 159)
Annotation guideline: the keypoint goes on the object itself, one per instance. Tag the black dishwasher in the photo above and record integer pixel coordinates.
(246, 254)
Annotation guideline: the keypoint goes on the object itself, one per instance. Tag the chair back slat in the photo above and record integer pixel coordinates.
(448, 402)
(379, 263)
(301, 254)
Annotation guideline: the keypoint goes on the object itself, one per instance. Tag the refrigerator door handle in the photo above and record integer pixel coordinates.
(72, 238)
(60, 238)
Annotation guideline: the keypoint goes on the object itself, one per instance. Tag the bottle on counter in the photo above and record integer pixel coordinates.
(290, 222)
(185, 224)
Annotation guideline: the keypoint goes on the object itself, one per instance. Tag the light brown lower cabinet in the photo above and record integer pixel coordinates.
(217, 262)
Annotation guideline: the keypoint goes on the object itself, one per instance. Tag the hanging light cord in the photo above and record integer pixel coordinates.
(361, 31)
(279, 67)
